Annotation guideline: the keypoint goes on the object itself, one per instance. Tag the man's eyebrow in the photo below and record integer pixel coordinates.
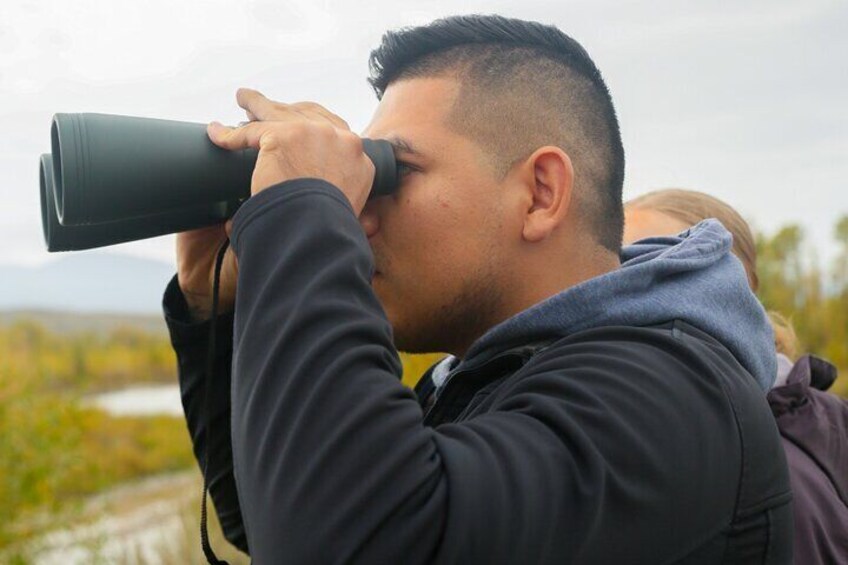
(401, 145)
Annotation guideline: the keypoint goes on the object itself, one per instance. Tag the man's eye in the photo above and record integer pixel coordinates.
(404, 169)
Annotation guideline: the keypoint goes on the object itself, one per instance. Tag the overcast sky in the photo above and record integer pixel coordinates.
(745, 100)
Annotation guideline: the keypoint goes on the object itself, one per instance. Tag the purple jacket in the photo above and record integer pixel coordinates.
(814, 428)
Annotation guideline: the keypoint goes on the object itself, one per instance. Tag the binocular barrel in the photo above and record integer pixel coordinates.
(112, 179)
(75, 238)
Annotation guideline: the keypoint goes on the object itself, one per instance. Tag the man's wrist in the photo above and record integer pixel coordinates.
(186, 331)
(198, 307)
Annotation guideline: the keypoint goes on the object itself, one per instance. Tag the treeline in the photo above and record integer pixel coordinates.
(85, 362)
(812, 294)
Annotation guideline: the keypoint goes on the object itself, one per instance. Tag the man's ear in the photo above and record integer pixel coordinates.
(549, 177)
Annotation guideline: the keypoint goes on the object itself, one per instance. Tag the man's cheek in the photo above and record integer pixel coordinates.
(384, 294)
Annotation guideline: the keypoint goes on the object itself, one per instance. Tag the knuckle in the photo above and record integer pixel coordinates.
(325, 129)
(306, 105)
(273, 140)
(269, 142)
(297, 130)
(323, 132)
(281, 107)
(351, 140)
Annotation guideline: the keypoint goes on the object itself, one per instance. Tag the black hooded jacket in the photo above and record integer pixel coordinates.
(616, 444)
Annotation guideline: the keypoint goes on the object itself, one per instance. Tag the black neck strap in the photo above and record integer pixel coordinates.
(210, 382)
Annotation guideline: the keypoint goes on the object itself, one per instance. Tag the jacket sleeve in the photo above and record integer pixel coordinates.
(333, 461)
(334, 464)
(190, 341)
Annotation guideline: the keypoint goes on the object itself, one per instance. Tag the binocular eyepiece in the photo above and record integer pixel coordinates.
(112, 179)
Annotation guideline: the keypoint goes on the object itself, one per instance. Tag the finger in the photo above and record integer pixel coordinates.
(257, 106)
(249, 134)
(230, 138)
(228, 229)
(313, 110)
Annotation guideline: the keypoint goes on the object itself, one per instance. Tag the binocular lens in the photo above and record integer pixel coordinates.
(73, 238)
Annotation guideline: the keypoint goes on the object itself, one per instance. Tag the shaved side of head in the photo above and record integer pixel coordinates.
(523, 85)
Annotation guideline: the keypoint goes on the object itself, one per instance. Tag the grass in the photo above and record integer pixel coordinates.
(160, 520)
(56, 452)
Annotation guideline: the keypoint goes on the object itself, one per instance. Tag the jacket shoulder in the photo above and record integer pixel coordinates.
(668, 398)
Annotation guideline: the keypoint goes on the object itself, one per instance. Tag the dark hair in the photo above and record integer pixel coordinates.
(512, 69)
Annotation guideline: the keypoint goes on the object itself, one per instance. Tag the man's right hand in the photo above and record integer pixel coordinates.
(196, 253)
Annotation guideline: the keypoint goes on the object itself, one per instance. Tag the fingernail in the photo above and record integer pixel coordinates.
(213, 130)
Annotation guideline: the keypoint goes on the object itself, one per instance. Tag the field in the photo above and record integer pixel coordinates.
(56, 451)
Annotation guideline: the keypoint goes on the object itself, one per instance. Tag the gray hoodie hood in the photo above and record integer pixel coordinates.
(692, 277)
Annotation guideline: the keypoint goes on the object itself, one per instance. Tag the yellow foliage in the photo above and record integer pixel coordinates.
(812, 297)
(416, 365)
(53, 450)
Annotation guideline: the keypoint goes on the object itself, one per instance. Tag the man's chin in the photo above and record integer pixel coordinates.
(407, 337)
(410, 341)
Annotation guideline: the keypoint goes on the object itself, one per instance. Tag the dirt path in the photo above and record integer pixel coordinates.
(137, 524)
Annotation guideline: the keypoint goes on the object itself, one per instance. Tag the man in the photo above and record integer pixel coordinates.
(592, 411)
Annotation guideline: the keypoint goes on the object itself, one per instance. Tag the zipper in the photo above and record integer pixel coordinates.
(454, 382)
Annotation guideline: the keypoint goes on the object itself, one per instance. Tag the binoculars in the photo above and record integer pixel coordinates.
(112, 179)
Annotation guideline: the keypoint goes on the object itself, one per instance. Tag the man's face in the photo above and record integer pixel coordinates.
(439, 241)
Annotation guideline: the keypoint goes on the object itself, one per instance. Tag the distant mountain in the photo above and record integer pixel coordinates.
(87, 282)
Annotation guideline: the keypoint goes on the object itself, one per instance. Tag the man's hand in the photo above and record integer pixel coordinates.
(294, 141)
(196, 253)
(297, 141)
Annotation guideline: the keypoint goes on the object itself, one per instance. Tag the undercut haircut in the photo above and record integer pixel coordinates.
(522, 85)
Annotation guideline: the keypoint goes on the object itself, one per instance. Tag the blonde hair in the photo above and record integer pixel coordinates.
(785, 338)
(691, 207)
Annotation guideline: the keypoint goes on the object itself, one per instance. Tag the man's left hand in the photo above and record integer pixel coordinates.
(296, 141)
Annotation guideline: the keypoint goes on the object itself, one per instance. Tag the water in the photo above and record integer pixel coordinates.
(140, 401)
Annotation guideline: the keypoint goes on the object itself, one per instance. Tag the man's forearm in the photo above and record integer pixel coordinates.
(208, 424)
(328, 445)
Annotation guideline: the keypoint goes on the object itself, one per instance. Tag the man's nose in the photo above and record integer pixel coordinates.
(370, 219)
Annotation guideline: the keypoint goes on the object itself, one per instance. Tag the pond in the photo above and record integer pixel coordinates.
(140, 401)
